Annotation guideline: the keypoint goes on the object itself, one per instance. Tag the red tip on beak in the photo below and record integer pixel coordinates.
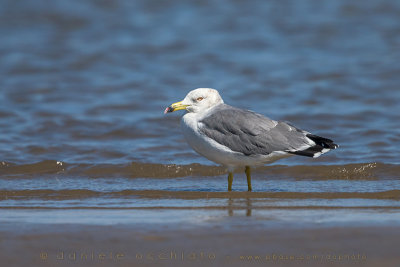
(168, 110)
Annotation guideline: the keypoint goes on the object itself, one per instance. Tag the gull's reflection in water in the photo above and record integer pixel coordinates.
(239, 206)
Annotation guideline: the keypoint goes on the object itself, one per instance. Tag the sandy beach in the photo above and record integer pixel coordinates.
(239, 245)
(323, 223)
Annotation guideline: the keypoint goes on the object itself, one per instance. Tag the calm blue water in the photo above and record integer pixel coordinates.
(85, 83)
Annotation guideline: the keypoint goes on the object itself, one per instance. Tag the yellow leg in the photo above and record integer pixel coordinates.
(248, 174)
(230, 180)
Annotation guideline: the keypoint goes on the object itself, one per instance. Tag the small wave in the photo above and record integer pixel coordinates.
(361, 171)
(131, 170)
(49, 194)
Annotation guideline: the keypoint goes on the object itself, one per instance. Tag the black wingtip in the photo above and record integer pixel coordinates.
(322, 141)
(322, 145)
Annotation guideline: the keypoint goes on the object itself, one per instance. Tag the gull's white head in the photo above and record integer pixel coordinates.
(197, 100)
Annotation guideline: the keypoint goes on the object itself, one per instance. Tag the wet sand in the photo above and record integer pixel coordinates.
(168, 245)
(65, 218)
(160, 194)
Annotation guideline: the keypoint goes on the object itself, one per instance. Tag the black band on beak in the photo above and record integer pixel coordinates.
(168, 110)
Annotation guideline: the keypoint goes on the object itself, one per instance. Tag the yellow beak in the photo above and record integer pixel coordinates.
(175, 106)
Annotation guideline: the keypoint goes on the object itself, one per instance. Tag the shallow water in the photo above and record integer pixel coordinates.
(84, 84)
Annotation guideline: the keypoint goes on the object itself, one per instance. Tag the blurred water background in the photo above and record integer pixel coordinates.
(84, 84)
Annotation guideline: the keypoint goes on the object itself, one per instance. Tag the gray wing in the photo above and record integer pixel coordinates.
(251, 133)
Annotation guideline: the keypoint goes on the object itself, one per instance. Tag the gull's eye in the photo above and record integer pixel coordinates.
(199, 99)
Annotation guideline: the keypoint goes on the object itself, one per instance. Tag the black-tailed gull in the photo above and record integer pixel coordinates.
(235, 137)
